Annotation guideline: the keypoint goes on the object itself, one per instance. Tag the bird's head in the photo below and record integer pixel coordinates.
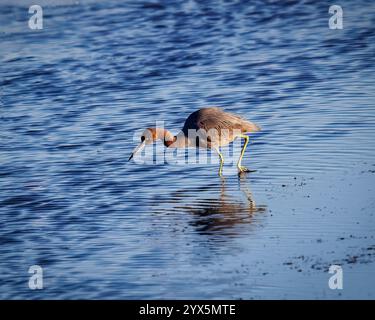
(149, 136)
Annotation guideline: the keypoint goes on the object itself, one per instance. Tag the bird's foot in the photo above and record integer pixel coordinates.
(242, 169)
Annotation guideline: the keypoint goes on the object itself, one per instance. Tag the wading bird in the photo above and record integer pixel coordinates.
(209, 128)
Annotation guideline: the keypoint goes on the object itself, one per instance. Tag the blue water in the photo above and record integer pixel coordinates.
(74, 93)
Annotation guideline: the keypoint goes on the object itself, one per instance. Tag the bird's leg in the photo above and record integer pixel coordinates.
(221, 161)
(241, 168)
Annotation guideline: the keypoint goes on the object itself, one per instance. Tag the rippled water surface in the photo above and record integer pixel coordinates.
(74, 93)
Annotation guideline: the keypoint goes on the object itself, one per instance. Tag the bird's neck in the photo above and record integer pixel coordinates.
(165, 135)
(169, 142)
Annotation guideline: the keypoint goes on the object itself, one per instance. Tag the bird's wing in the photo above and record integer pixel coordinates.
(219, 125)
(217, 119)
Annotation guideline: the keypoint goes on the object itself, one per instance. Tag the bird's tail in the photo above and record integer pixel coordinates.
(252, 127)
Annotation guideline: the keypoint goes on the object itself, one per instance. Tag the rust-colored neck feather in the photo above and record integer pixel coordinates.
(167, 143)
(164, 135)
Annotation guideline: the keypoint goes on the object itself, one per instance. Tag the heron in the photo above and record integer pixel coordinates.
(212, 128)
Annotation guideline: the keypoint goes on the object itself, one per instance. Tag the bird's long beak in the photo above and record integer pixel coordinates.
(137, 149)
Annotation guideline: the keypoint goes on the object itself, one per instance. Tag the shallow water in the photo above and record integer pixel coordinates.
(74, 93)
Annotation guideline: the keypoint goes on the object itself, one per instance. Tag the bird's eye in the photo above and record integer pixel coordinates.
(143, 138)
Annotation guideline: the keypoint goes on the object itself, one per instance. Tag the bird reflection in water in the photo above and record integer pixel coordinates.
(222, 210)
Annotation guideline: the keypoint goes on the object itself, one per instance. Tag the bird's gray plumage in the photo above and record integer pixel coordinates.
(220, 126)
